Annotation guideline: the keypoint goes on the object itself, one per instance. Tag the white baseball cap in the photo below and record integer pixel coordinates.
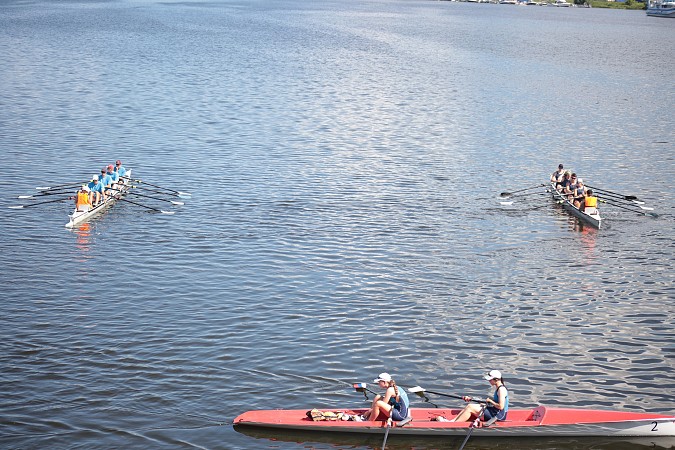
(384, 376)
(493, 375)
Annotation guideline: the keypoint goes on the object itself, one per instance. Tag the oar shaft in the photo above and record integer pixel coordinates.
(140, 204)
(149, 196)
(41, 203)
(611, 193)
(452, 396)
(504, 194)
(154, 185)
(49, 188)
(616, 205)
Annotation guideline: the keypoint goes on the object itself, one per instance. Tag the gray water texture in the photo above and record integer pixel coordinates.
(345, 160)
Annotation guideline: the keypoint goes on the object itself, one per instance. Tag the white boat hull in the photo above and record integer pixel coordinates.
(78, 217)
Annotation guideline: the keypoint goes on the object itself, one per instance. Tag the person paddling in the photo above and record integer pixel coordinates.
(96, 191)
(119, 168)
(579, 193)
(496, 406)
(105, 179)
(114, 176)
(394, 404)
(558, 175)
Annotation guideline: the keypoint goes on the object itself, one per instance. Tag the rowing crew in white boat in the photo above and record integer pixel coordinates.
(567, 183)
(97, 190)
(114, 184)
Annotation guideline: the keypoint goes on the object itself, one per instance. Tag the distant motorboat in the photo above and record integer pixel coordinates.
(562, 4)
(660, 8)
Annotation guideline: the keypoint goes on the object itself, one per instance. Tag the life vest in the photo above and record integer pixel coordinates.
(591, 202)
(82, 200)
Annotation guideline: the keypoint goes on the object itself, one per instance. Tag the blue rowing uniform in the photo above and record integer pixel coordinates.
(492, 411)
(400, 409)
(105, 180)
(95, 186)
(121, 171)
(115, 177)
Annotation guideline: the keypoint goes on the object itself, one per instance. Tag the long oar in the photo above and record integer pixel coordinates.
(387, 427)
(145, 206)
(47, 193)
(644, 208)
(156, 191)
(150, 196)
(421, 391)
(47, 188)
(631, 199)
(473, 425)
(363, 388)
(510, 202)
(506, 194)
(40, 203)
(154, 185)
(616, 205)
(623, 196)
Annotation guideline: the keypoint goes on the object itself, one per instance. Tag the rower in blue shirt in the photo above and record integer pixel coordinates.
(96, 191)
(114, 176)
(121, 171)
(105, 179)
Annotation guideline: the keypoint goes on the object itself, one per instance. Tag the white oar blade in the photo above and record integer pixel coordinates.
(167, 212)
(416, 389)
(16, 207)
(26, 196)
(506, 203)
(638, 202)
(43, 188)
(187, 194)
(177, 203)
(646, 208)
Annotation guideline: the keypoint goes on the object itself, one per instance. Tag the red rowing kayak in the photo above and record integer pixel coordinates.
(540, 421)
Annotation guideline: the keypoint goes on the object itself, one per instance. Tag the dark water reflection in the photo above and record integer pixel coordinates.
(345, 162)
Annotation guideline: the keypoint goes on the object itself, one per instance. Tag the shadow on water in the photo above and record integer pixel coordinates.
(345, 440)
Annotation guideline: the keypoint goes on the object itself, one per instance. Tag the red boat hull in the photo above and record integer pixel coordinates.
(540, 421)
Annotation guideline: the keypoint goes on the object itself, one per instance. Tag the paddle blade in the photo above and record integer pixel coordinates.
(167, 212)
(506, 203)
(416, 389)
(177, 203)
(505, 194)
(360, 386)
(16, 207)
(43, 188)
(26, 196)
(186, 194)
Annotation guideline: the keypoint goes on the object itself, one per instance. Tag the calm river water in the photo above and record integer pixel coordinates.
(345, 160)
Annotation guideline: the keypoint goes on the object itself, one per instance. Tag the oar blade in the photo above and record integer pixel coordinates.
(177, 203)
(16, 207)
(26, 196)
(416, 389)
(505, 194)
(167, 212)
(506, 203)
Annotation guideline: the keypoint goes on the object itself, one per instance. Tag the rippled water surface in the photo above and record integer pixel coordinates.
(345, 161)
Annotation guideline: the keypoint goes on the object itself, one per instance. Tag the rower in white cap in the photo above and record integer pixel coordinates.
(495, 406)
